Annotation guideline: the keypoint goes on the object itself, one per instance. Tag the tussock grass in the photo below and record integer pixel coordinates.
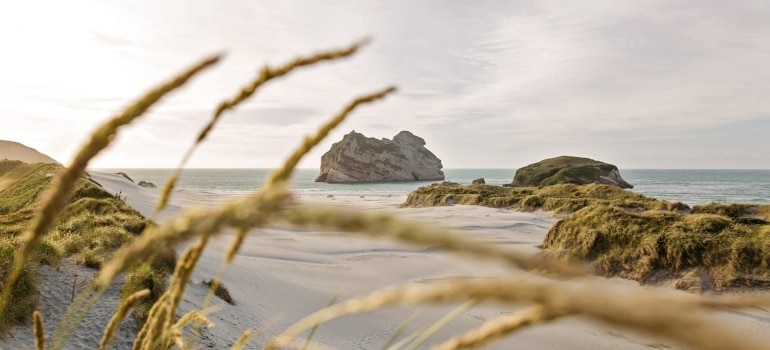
(678, 319)
(641, 245)
(735, 210)
(125, 176)
(68, 178)
(93, 225)
(627, 234)
(145, 277)
(6, 165)
(562, 198)
(23, 293)
(220, 291)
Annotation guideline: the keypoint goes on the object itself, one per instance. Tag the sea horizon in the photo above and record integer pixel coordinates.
(690, 186)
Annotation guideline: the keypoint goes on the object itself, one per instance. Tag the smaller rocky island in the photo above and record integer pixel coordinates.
(360, 159)
(568, 169)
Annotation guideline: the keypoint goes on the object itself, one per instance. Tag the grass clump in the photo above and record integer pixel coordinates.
(24, 293)
(221, 291)
(145, 276)
(642, 245)
(92, 226)
(562, 198)
(25, 185)
(125, 176)
(627, 234)
(735, 210)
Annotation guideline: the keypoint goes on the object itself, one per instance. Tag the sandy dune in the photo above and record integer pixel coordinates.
(281, 275)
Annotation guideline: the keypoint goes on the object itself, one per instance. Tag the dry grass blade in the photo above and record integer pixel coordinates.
(315, 328)
(249, 212)
(497, 328)
(285, 171)
(649, 312)
(159, 327)
(39, 331)
(117, 318)
(252, 211)
(242, 340)
(266, 74)
(401, 329)
(195, 317)
(57, 197)
(443, 321)
(386, 225)
(75, 313)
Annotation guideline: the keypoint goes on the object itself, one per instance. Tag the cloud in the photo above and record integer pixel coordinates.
(486, 84)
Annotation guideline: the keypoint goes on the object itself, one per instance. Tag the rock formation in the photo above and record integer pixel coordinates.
(357, 159)
(15, 151)
(479, 181)
(567, 169)
(147, 184)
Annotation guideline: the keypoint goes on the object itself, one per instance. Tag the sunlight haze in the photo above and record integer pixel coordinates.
(487, 84)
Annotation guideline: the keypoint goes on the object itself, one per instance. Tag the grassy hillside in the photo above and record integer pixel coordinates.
(94, 225)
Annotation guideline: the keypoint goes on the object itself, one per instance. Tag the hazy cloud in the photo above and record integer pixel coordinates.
(655, 84)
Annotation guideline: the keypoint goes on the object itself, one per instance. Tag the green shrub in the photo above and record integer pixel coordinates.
(24, 294)
(144, 276)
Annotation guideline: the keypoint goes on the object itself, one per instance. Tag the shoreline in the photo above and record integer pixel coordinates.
(691, 186)
(282, 274)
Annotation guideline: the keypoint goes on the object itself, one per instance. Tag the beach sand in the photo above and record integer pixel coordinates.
(283, 274)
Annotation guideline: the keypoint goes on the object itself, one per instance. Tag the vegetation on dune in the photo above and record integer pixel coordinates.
(742, 212)
(93, 225)
(639, 246)
(24, 293)
(141, 277)
(124, 175)
(562, 198)
(627, 234)
(220, 290)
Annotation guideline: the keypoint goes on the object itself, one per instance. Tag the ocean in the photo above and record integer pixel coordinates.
(689, 186)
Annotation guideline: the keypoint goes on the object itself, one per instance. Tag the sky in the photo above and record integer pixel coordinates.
(487, 84)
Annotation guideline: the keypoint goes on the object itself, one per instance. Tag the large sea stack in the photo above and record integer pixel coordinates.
(359, 159)
(567, 169)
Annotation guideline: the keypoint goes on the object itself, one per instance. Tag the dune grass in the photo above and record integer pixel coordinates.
(629, 235)
(641, 246)
(561, 198)
(742, 212)
(220, 290)
(93, 226)
(564, 294)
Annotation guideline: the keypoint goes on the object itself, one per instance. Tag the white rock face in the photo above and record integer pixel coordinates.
(358, 159)
(614, 179)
